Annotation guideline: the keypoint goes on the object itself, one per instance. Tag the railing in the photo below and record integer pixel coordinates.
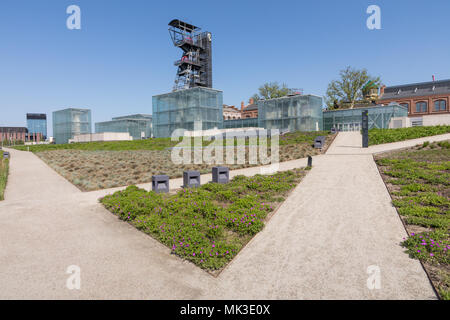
(190, 61)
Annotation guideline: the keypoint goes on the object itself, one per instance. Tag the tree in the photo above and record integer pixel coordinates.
(349, 88)
(271, 90)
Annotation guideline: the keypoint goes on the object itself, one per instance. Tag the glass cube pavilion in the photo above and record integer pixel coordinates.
(295, 113)
(350, 119)
(199, 108)
(69, 122)
(137, 125)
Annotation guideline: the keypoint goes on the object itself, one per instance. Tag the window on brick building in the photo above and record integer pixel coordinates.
(421, 106)
(440, 105)
(406, 105)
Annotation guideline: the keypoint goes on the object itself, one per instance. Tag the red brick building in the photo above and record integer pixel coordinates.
(13, 134)
(249, 111)
(421, 99)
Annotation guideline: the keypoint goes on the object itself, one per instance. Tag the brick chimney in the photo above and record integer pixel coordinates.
(242, 105)
(251, 101)
(382, 90)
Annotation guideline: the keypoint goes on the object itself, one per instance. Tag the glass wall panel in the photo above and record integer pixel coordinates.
(69, 122)
(138, 126)
(350, 119)
(37, 126)
(241, 123)
(296, 113)
(181, 109)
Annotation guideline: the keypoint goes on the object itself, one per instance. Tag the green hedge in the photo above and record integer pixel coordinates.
(380, 136)
(4, 168)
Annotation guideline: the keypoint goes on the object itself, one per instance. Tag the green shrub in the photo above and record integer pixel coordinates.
(429, 246)
(4, 169)
(379, 136)
(206, 225)
(424, 178)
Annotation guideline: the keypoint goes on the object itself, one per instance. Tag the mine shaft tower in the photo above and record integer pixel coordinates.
(195, 65)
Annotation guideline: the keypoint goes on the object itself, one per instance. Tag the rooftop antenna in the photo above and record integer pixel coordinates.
(195, 65)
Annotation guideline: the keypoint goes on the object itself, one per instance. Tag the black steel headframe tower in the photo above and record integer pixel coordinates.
(195, 65)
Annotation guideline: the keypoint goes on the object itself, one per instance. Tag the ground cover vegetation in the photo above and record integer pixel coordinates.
(210, 224)
(100, 165)
(419, 182)
(380, 136)
(4, 168)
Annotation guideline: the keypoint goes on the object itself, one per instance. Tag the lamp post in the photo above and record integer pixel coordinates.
(365, 129)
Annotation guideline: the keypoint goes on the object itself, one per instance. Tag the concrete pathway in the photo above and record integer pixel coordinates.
(319, 244)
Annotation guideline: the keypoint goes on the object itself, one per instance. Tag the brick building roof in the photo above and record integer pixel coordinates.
(416, 90)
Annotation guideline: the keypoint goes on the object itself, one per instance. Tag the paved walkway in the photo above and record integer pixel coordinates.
(319, 244)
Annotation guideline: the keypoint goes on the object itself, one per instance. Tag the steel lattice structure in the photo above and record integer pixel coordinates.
(195, 65)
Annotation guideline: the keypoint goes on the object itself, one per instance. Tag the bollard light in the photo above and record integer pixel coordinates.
(309, 161)
(191, 179)
(160, 183)
(220, 174)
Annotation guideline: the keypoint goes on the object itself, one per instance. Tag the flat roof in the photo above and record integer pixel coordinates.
(39, 116)
(76, 109)
(371, 107)
(194, 88)
(292, 96)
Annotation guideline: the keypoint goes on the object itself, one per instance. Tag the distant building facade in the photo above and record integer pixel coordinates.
(421, 99)
(70, 122)
(249, 111)
(231, 113)
(37, 125)
(139, 126)
(13, 134)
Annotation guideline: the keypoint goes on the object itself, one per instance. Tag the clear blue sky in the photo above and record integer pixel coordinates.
(123, 54)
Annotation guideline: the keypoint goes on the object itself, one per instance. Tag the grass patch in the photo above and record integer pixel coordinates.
(380, 136)
(100, 165)
(4, 169)
(146, 144)
(419, 182)
(291, 138)
(208, 225)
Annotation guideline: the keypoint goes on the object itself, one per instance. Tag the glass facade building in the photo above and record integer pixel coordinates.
(139, 126)
(350, 119)
(37, 123)
(240, 123)
(69, 122)
(295, 113)
(190, 109)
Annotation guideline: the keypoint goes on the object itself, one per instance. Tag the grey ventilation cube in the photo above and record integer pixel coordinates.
(5, 155)
(333, 130)
(220, 174)
(191, 179)
(160, 183)
(319, 142)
